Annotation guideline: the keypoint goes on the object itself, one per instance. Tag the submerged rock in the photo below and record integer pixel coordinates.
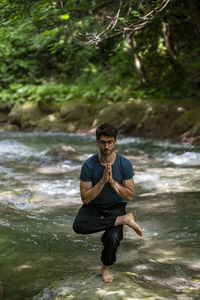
(61, 150)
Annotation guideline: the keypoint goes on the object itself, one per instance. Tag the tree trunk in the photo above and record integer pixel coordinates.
(166, 34)
(137, 60)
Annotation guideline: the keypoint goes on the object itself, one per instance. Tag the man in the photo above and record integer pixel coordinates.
(106, 184)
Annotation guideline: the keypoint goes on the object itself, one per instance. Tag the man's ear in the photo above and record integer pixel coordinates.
(115, 140)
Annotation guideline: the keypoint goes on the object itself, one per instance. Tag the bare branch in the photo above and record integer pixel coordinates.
(125, 28)
(111, 26)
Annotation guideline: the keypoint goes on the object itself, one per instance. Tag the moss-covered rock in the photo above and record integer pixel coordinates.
(51, 122)
(156, 118)
(189, 121)
(25, 115)
(9, 127)
(49, 106)
(78, 115)
(138, 117)
(5, 106)
(3, 117)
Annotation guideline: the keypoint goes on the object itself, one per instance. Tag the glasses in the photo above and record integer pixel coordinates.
(103, 143)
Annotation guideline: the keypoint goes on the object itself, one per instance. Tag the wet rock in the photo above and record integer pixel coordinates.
(127, 285)
(48, 294)
(25, 115)
(62, 151)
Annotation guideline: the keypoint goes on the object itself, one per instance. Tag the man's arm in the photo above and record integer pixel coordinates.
(89, 192)
(124, 190)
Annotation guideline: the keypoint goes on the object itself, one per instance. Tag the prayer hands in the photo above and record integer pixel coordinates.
(107, 175)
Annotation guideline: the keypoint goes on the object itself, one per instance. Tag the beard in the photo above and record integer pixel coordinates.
(106, 152)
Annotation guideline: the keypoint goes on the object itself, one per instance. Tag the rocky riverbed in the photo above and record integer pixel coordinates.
(161, 119)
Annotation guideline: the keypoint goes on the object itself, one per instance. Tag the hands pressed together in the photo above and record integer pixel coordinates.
(107, 177)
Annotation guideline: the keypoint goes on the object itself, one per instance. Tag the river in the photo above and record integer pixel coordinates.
(39, 197)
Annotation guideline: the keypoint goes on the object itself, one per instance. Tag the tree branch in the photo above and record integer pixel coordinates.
(124, 29)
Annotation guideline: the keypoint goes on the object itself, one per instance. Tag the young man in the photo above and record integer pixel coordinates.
(106, 184)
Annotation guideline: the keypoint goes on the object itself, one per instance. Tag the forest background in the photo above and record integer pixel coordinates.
(99, 50)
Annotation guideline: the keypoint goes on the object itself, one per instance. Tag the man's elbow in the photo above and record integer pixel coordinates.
(84, 199)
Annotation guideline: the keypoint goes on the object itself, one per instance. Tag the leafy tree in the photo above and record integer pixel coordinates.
(99, 49)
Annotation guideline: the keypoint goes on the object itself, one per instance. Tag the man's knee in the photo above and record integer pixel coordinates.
(76, 226)
(80, 226)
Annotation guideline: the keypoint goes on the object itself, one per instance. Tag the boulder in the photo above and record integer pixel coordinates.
(62, 151)
(25, 115)
(51, 122)
(77, 115)
(49, 106)
(187, 125)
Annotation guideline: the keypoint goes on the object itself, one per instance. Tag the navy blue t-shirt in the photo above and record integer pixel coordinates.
(92, 171)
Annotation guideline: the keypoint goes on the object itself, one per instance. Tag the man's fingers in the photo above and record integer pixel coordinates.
(109, 171)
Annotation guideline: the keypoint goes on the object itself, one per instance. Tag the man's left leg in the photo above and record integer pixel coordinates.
(111, 241)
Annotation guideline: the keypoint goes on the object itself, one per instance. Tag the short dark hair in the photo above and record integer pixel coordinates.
(107, 130)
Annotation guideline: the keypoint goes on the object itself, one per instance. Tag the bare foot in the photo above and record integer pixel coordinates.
(107, 277)
(130, 221)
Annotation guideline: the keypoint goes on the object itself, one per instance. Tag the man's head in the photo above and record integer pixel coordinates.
(106, 129)
(106, 137)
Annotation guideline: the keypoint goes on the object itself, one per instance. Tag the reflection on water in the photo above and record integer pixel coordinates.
(39, 197)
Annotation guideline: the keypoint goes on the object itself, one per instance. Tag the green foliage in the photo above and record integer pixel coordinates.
(42, 56)
(18, 93)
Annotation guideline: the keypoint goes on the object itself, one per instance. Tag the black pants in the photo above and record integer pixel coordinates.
(91, 219)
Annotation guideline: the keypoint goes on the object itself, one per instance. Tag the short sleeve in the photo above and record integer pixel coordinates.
(85, 174)
(128, 170)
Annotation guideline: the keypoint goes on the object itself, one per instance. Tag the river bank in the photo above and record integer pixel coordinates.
(176, 120)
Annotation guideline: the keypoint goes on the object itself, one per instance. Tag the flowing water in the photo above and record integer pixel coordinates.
(39, 197)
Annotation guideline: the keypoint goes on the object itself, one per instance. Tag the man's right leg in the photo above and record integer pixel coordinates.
(88, 220)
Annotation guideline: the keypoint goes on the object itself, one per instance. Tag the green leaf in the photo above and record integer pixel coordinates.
(64, 17)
